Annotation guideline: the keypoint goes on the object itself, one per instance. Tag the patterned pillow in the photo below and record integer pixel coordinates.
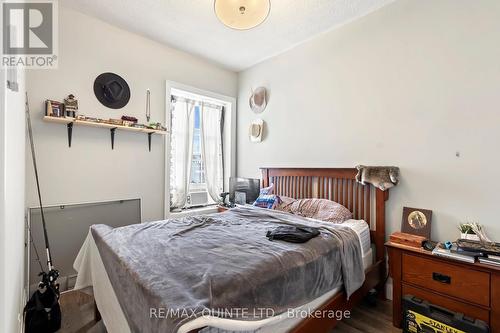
(321, 209)
(267, 201)
(267, 190)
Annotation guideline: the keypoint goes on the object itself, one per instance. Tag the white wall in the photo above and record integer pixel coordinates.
(408, 85)
(2, 194)
(12, 178)
(90, 170)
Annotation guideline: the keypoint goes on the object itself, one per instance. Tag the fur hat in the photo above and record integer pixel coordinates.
(382, 177)
(256, 129)
(258, 100)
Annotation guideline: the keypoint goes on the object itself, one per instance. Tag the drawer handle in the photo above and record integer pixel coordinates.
(441, 278)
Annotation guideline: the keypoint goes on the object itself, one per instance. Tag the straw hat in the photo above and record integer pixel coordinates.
(256, 129)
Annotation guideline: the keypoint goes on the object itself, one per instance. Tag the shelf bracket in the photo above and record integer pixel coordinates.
(112, 131)
(149, 140)
(70, 133)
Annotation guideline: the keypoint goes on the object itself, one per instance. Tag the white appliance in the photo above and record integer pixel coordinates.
(199, 198)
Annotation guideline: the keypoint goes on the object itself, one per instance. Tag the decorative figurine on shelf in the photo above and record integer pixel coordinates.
(157, 126)
(71, 106)
(115, 121)
(129, 120)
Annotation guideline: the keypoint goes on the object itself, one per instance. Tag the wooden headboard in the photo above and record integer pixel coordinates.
(338, 184)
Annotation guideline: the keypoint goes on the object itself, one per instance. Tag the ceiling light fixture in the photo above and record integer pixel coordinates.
(242, 14)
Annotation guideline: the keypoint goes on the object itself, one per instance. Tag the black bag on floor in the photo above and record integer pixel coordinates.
(42, 312)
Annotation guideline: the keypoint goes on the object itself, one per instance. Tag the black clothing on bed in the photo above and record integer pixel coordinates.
(292, 234)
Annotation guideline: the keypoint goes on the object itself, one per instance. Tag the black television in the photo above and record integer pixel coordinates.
(250, 187)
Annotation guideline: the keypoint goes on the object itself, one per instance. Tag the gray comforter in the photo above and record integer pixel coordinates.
(169, 272)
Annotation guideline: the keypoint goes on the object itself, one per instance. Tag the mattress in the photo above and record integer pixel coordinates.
(362, 229)
(91, 272)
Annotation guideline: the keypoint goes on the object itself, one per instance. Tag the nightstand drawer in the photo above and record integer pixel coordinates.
(475, 312)
(448, 279)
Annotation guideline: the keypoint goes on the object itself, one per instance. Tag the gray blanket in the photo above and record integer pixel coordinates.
(169, 272)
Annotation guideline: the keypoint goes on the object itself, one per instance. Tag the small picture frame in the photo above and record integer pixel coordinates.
(417, 221)
(240, 198)
(54, 108)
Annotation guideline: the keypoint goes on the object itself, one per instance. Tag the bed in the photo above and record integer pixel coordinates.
(334, 184)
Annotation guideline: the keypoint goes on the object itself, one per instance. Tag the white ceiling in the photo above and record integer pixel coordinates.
(192, 26)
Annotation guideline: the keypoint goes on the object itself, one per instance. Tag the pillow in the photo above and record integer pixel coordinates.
(285, 204)
(267, 190)
(267, 201)
(321, 209)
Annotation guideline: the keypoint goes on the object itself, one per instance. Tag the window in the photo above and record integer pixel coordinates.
(197, 170)
(196, 155)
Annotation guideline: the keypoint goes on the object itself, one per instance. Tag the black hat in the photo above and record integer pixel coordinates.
(111, 90)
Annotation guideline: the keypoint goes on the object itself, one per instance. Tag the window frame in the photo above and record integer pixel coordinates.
(229, 133)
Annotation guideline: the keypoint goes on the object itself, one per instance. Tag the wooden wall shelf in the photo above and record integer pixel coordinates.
(70, 122)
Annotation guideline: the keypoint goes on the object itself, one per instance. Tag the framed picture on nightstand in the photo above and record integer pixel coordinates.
(417, 221)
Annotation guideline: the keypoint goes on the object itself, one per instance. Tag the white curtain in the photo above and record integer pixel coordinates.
(211, 147)
(182, 151)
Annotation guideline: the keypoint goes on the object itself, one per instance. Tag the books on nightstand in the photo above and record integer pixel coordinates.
(453, 254)
(459, 250)
(490, 260)
(493, 257)
(460, 254)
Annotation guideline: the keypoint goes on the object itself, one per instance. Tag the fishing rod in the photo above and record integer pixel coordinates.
(42, 312)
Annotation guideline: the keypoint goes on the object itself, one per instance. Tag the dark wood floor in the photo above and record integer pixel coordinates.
(78, 314)
(369, 319)
(78, 317)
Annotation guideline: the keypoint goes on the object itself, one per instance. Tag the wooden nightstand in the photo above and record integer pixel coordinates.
(472, 289)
